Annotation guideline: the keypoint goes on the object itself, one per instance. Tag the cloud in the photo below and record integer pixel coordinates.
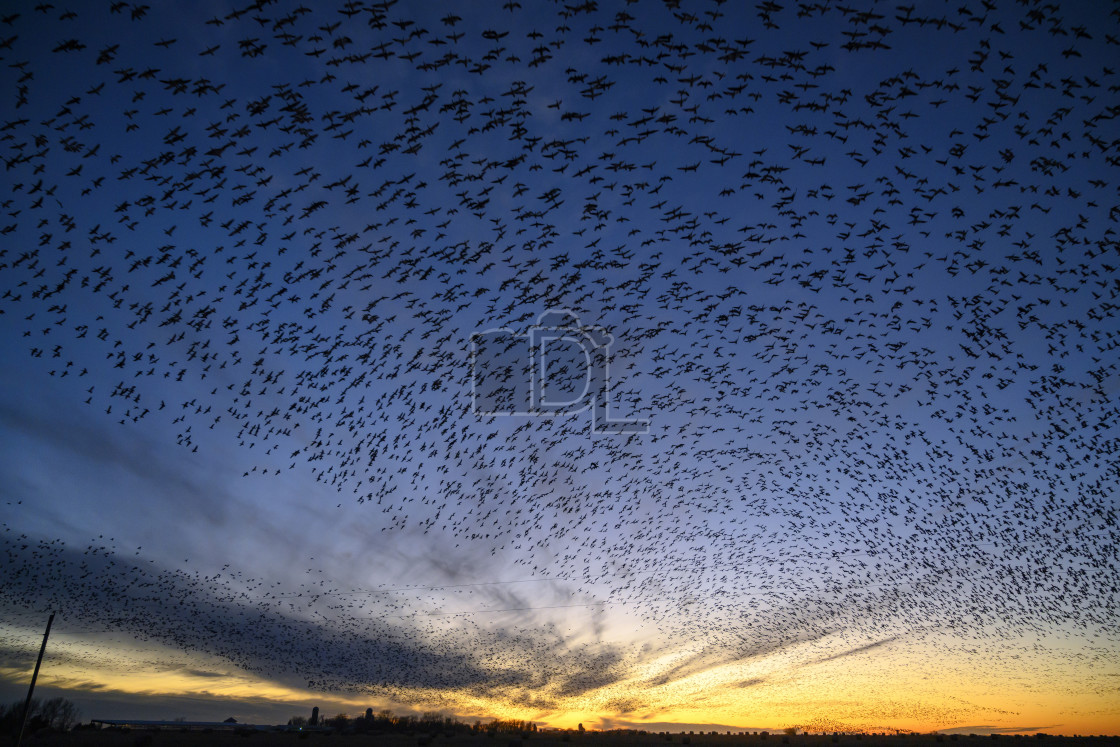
(71, 475)
(854, 651)
(203, 673)
(126, 450)
(597, 669)
(96, 701)
(303, 640)
(675, 727)
(988, 729)
(101, 590)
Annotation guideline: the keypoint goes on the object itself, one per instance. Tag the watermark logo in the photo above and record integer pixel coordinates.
(558, 367)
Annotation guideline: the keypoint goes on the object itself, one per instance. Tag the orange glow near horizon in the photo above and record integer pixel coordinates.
(897, 686)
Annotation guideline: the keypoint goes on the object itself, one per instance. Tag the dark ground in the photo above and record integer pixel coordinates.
(152, 738)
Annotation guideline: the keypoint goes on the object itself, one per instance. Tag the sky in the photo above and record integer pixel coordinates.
(642, 364)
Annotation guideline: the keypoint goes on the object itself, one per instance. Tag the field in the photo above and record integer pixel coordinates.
(152, 738)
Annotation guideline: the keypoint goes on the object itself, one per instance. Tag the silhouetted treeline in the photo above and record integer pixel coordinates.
(57, 713)
(387, 721)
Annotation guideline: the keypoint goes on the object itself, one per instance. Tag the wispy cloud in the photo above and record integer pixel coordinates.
(854, 651)
(989, 729)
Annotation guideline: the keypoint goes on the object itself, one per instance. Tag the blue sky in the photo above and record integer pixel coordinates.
(859, 272)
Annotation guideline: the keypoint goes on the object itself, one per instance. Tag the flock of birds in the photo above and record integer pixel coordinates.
(860, 266)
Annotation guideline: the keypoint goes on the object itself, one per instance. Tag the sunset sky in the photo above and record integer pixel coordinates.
(275, 435)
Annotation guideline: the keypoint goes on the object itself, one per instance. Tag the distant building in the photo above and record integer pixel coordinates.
(229, 724)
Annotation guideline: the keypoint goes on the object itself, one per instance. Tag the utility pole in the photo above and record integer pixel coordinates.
(34, 676)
